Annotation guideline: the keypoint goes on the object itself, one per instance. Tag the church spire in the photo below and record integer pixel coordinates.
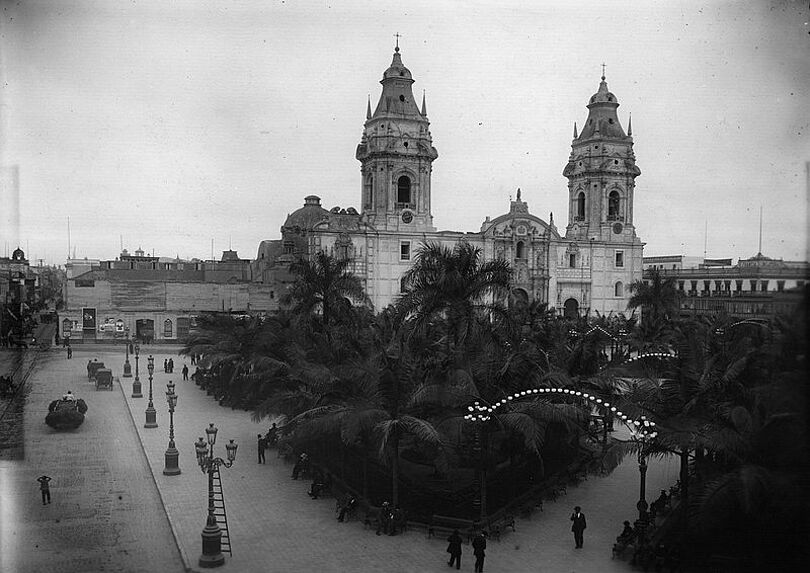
(630, 126)
(575, 130)
(368, 108)
(424, 107)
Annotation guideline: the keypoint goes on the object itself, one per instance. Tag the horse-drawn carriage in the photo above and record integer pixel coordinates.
(92, 368)
(104, 378)
(66, 414)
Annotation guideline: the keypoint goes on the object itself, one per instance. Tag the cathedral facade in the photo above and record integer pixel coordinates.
(588, 269)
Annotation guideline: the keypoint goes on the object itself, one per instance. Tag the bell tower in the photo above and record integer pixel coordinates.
(396, 156)
(601, 174)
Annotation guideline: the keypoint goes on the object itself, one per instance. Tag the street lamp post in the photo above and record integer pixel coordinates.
(171, 466)
(136, 384)
(151, 414)
(643, 433)
(127, 366)
(480, 415)
(212, 534)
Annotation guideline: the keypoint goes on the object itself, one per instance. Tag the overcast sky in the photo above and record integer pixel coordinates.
(172, 124)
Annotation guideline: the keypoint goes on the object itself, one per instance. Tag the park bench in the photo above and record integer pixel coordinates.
(498, 522)
(441, 525)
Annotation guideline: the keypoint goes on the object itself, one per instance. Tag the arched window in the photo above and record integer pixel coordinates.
(167, 329)
(403, 190)
(613, 206)
(619, 289)
(581, 206)
(520, 251)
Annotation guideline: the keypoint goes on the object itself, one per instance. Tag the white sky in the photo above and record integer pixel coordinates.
(169, 124)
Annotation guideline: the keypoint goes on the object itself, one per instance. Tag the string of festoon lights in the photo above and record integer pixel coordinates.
(641, 428)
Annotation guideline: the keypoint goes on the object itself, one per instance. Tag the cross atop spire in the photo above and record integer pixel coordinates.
(398, 36)
(603, 71)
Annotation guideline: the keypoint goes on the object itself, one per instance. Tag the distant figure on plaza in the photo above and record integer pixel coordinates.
(626, 534)
(578, 526)
(348, 507)
(185, 371)
(262, 445)
(165, 366)
(69, 397)
(171, 366)
(193, 360)
(272, 436)
(131, 349)
(384, 518)
(479, 544)
(89, 362)
(319, 484)
(454, 549)
(45, 489)
(69, 352)
(301, 464)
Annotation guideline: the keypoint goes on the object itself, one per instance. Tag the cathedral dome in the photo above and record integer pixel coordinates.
(309, 215)
(603, 95)
(397, 69)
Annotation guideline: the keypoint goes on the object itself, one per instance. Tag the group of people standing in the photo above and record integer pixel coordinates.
(479, 545)
(168, 365)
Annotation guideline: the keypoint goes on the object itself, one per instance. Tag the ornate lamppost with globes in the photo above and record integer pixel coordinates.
(127, 367)
(151, 414)
(643, 433)
(136, 384)
(212, 534)
(171, 467)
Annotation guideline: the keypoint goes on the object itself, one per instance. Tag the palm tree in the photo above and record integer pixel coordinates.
(659, 296)
(324, 285)
(452, 285)
(245, 353)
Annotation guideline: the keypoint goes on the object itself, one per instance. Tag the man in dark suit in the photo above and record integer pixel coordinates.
(578, 526)
(479, 544)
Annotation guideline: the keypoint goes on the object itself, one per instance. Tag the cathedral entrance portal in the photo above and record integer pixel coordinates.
(571, 308)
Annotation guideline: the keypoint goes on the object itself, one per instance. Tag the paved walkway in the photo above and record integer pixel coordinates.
(105, 513)
(276, 527)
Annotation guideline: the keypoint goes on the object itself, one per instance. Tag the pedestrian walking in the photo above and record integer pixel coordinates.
(454, 549)
(479, 544)
(89, 362)
(69, 352)
(578, 526)
(262, 445)
(384, 518)
(185, 371)
(171, 366)
(45, 488)
(165, 366)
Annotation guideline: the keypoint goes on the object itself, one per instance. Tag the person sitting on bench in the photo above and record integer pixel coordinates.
(627, 533)
(348, 508)
(319, 484)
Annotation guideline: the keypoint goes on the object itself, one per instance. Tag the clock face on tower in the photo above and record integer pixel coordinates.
(407, 216)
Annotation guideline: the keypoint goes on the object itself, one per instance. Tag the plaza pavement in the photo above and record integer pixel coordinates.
(274, 525)
(105, 513)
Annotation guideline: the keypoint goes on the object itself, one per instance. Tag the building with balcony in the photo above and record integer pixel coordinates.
(755, 288)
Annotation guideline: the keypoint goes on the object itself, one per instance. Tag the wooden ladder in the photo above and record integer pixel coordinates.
(219, 512)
